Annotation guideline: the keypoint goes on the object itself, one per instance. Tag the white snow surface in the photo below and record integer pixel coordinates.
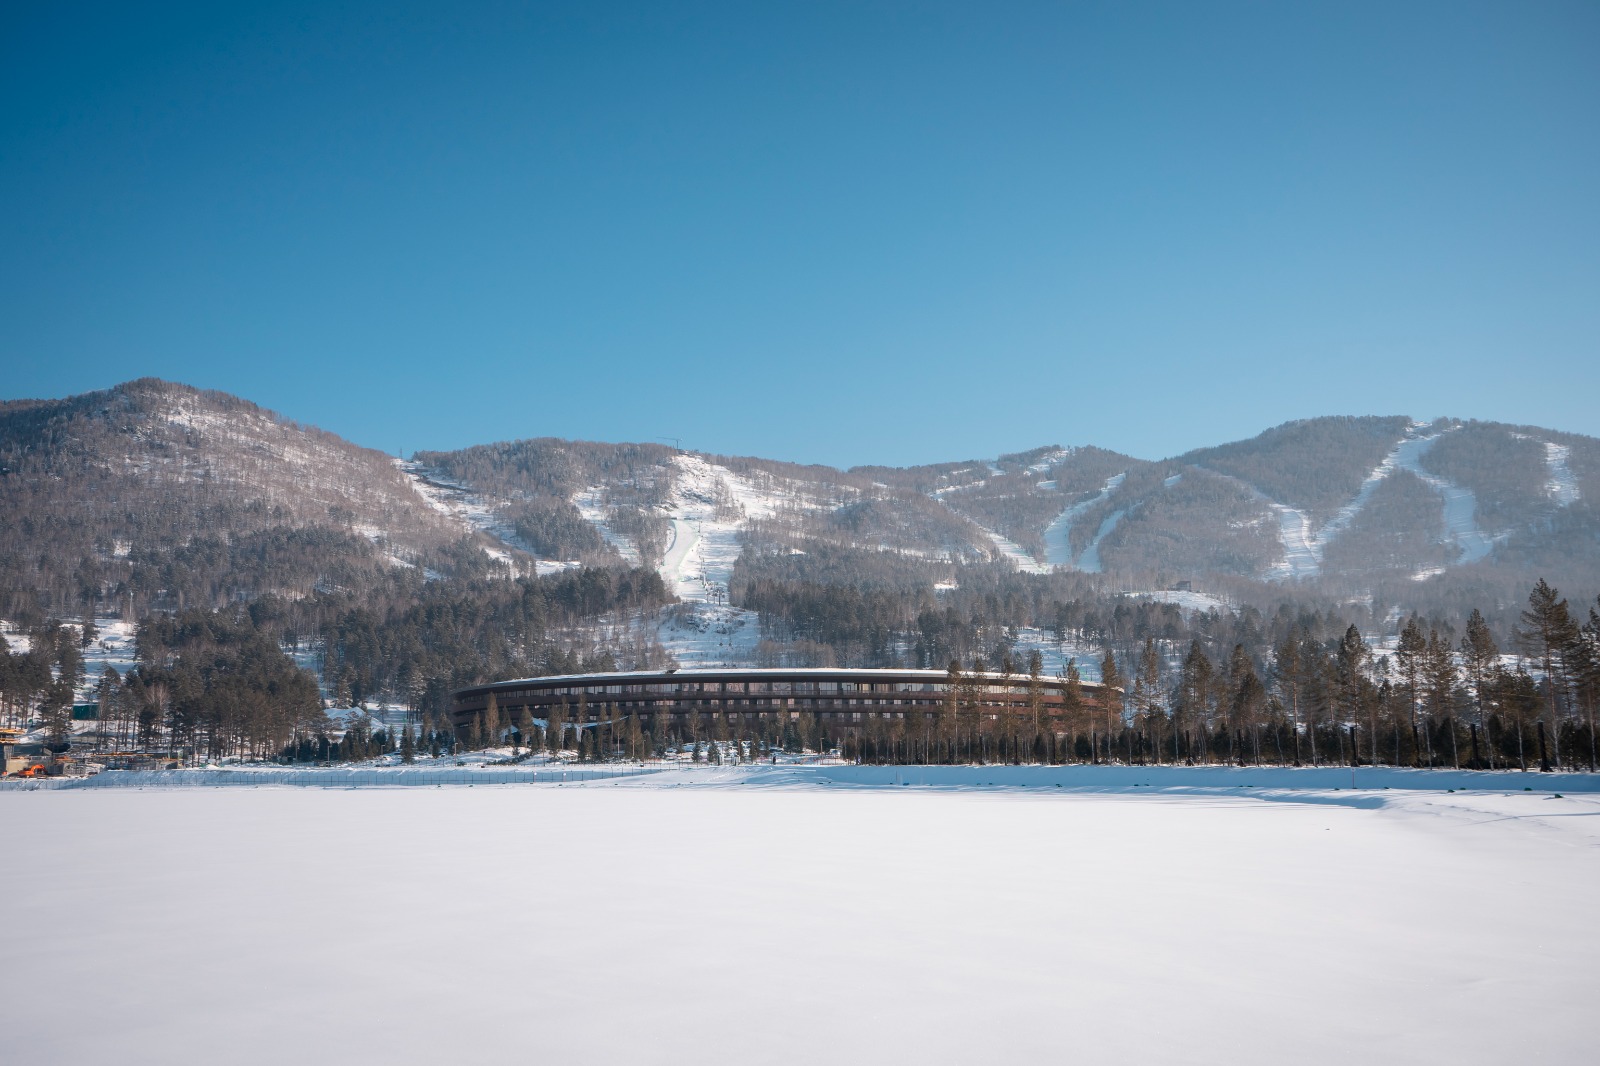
(1057, 543)
(709, 507)
(961, 915)
(1050, 459)
(472, 510)
(1055, 653)
(1089, 561)
(709, 635)
(1303, 547)
(591, 505)
(1562, 486)
(1189, 600)
(13, 641)
(113, 646)
(1010, 549)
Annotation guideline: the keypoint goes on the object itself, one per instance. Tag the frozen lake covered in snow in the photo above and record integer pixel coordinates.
(705, 916)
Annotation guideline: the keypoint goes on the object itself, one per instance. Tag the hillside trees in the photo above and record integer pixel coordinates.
(1547, 631)
(1479, 657)
(221, 686)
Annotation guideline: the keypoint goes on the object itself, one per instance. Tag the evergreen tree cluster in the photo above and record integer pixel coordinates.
(212, 684)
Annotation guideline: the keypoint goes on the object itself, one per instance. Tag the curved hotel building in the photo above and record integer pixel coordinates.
(691, 700)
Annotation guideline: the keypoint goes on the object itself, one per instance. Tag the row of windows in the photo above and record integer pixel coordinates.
(711, 706)
(713, 689)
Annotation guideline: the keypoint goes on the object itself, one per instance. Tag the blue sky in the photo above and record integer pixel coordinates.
(846, 233)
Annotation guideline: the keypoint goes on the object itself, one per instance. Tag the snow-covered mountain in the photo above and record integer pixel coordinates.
(152, 493)
(1345, 501)
(142, 487)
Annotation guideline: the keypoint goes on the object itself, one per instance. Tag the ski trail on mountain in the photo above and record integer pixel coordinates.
(467, 507)
(1089, 563)
(1563, 485)
(1013, 551)
(1303, 549)
(591, 505)
(1460, 504)
(1058, 534)
(708, 509)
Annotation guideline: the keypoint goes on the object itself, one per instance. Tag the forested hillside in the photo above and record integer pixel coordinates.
(154, 496)
(396, 581)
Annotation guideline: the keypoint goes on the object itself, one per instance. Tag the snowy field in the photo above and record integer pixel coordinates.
(787, 915)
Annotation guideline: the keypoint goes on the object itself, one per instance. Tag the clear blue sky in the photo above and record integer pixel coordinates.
(835, 233)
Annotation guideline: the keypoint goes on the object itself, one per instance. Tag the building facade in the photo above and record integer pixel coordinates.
(839, 701)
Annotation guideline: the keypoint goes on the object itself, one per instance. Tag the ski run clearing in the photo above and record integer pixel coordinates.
(1303, 547)
(805, 914)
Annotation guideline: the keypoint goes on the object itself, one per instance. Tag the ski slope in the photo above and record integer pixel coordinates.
(1460, 504)
(1303, 547)
(1562, 486)
(1013, 551)
(1058, 534)
(1089, 561)
(708, 509)
(591, 505)
(857, 914)
(471, 510)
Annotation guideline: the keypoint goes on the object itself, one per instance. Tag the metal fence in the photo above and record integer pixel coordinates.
(327, 778)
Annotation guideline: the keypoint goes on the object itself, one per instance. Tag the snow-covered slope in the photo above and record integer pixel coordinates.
(1303, 547)
(143, 471)
(1460, 504)
(1057, 535)
(471, 510)
(1562, 486)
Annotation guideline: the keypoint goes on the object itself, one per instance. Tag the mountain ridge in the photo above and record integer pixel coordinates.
(118, 494)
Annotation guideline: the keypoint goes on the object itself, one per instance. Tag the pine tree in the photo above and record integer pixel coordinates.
(108, 695)
(1479, 654)
(1194, 695)
(950, 708)
(635, 737)
(1440, 686)
(1584, 654)
(1071, 699)
(1289, 673)
(1038, 722)
(492, 726)
(1546, 630)
(1411, 658)
(1110, 694)
(555, 735)
(1246, 695)
(1146, 698)
(408, 747)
